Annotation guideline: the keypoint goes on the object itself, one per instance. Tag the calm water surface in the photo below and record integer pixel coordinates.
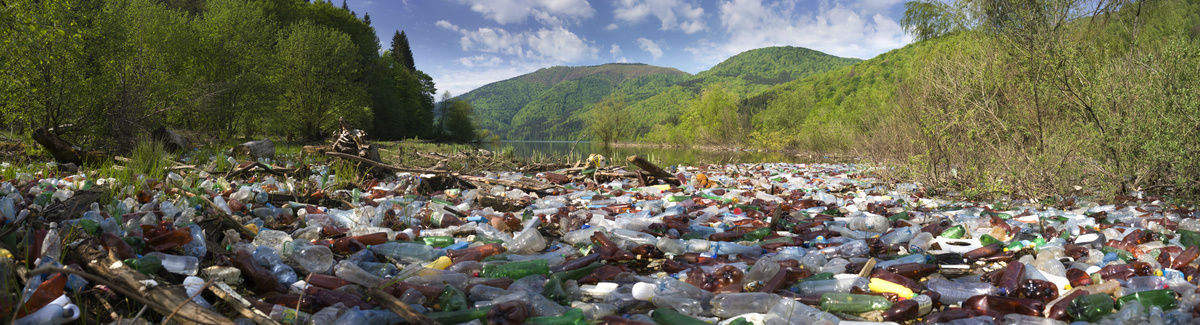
(660, 155)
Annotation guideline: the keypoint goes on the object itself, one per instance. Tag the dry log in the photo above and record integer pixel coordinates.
(165, 299)
(653, 169)
(240, 304)
(527, 185)
(382, 165)
(64, 152)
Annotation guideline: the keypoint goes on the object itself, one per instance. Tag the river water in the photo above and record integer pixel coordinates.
(663, 156)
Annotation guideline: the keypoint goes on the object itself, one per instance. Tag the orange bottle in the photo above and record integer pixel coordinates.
(475, 253)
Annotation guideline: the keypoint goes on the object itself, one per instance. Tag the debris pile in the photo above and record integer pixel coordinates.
(717, 244)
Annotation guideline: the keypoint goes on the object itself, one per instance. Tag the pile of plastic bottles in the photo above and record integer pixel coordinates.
(733, 244)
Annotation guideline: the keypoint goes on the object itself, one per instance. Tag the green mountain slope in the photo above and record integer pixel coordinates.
(553, 103)
(542, 104)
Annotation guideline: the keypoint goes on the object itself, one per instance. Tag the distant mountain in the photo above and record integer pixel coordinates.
(552, 103)
(543, 104)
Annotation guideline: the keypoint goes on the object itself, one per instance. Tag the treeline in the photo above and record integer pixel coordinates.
(105, 72)
(1012, 98)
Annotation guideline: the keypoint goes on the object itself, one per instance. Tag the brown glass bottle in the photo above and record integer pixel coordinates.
(609, 251)
(1058, 308)
(913, 270)
(1011, 279)
(326, 281)
(1078, 278)
(264, 280)
(512, 312)
(1000, 305)
(171, 239)
(603, 273)
(982, 252)
(347, 245)
(476, 253)
(901, 311)
(576, 263)
(897, 279)
(326, 297)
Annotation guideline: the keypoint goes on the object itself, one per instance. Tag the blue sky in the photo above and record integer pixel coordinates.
(465, 44)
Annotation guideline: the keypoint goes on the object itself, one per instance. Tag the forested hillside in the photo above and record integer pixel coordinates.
(104, 72)
(554, 103)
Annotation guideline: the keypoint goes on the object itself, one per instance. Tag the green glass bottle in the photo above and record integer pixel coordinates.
(460, 316)
(554, 291)
(1163, 298)
(1189, 238)
(438, 241)
(1090, 307)
(955, 232)
(900, 216)
(452, 299)
(678, 198)
(757, 234)
(571, 317)
(667, 316)
(515, 270)
(853, 303)
(576, 274)
(145, 264)
(988, 239)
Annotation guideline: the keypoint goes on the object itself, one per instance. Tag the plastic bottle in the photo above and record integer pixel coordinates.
(1163, 298)
(666, 316)
(407, 252)
(909, 309)
(672, 293)
(955, 292)
(193, 285)
(52, 244)
(197, 247)
(351, 272)
(1000, 305)
(570, 317)
(266, 257)
(51, 314)
(853, 303)
(843, 285)
(178, 264)
(913, 270)
(727, 305)
(1091, 307)
(313, 258)
(920, 243)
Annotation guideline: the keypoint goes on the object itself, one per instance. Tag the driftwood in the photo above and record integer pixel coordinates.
(64, 152)
(352, 141)
(398, 307)
(240, 304)
(164, 299)
(499, 203)
(653, 169)
(527, 185)
(225, 218)
(251, 168)
(382, 165)
(73, 206)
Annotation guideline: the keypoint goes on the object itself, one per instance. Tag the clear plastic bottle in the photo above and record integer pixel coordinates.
(52, 314)
(956, 292)
(843, 285)
(727, 305)
(351, 272)
(313, 258)
(178, 264)
(672, 293)
(193, 285)
(408, 252)
(52, 244)
(197, 247)
(266, 257)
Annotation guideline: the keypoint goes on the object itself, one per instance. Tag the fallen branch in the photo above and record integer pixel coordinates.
(398, 307)
(653, 169)
(382, 165)
(162, 298)
(240, 304)
(524, 185)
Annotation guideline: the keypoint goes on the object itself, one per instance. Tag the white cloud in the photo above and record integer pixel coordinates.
(617, 54)
(611, 27)
(481, 61)
(649, 46)
(673, 14)
(548, 12)
(557, 45)
(834, 28)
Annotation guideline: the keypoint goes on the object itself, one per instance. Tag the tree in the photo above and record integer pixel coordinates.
(457, 120)
(367, 18)
(715, 111)
(401, 52)
(609, 121)
(318, 69)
